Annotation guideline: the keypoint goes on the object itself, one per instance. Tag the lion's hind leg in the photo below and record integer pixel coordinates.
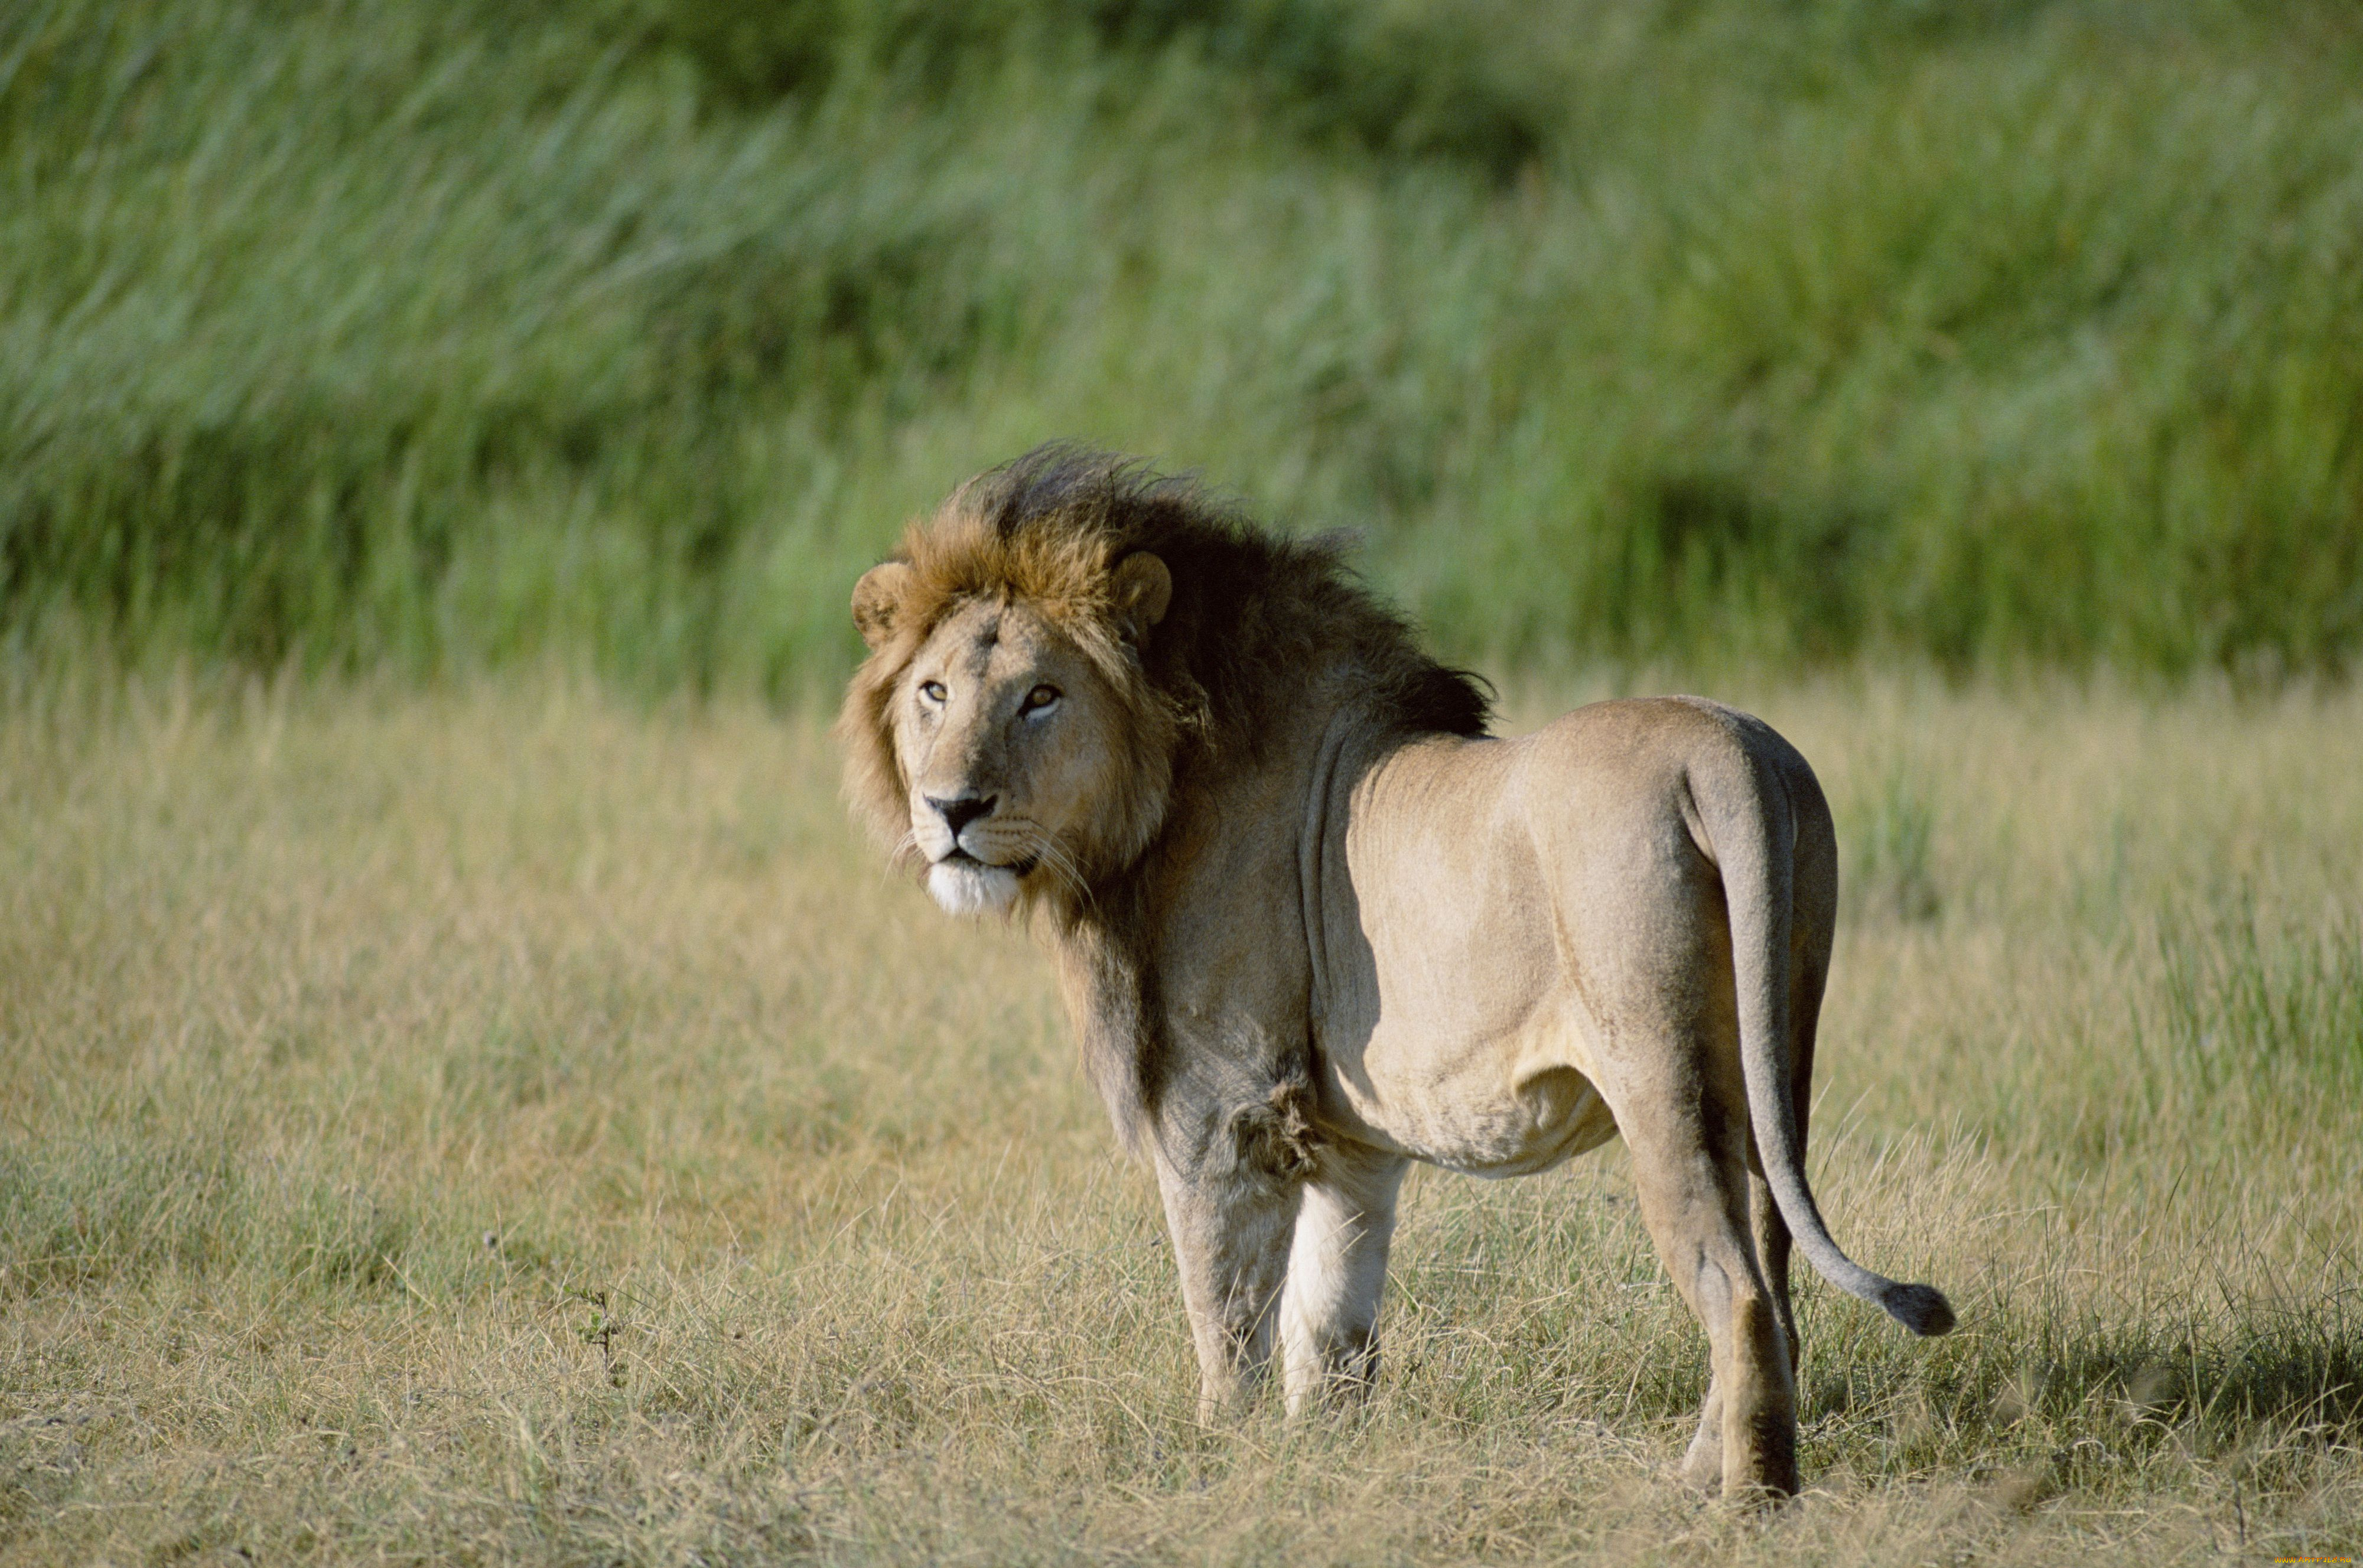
(1773, 1243)
(1773, 1248)
(1336, 1272)
(1689, 1166)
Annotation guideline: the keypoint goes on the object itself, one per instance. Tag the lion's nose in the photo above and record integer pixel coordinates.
(957, 813)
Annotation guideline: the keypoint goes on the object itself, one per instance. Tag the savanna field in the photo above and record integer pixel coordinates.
(512, 1126)
(468, 1094)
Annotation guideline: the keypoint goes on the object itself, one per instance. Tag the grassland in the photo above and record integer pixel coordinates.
(517, 1125)
(441, 337)
(464, 1095)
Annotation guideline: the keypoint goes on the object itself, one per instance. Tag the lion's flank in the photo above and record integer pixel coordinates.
(1251, 613)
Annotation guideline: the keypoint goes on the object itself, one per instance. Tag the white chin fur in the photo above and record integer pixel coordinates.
(965, 889)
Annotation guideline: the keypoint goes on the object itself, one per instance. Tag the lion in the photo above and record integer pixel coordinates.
(1311, 922)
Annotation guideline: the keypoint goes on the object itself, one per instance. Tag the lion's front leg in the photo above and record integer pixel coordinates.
(1230, 1237)
(1231, 1197)
(1336, 1272)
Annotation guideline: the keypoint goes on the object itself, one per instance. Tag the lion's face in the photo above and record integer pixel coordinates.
(1011, 743)
(1006, 736)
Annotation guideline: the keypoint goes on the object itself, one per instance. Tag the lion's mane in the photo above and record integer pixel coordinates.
(1251, 614)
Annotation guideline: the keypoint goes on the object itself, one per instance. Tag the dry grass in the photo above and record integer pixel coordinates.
(517, 1127)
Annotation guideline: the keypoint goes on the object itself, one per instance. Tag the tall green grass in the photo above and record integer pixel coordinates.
(441, 337)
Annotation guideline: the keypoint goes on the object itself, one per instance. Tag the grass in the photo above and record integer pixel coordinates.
(518, 1124)
(482, 1104)
(447, 338)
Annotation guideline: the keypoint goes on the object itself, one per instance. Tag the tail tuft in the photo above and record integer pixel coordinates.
(1919, 1308)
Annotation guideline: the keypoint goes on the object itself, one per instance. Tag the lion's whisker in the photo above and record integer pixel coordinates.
(1047, 851)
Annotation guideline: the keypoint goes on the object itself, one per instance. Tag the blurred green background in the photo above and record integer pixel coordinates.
(440, 337)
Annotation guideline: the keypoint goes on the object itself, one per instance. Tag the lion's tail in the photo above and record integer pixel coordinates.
(1754, 832)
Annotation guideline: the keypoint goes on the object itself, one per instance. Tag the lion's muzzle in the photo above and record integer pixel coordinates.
(954, 827)
(960, 812)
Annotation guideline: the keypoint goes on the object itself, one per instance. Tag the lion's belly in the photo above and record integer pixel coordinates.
(1455, 1025)
(1500, 1107)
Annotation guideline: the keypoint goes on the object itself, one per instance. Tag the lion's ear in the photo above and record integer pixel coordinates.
(878, 600)
(1144, 589)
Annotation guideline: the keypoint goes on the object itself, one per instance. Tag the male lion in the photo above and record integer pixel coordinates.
(1312, 923)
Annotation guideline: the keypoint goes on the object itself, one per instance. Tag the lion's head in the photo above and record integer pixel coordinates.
(1065, 638)
(1004, 730)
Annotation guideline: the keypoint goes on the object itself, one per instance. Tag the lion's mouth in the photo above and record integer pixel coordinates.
(961, 858)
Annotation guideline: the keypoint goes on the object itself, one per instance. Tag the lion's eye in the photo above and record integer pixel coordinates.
(1039, 698)
(932, 690)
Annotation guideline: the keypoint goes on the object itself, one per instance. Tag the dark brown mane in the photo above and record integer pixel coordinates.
(1252, 615)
